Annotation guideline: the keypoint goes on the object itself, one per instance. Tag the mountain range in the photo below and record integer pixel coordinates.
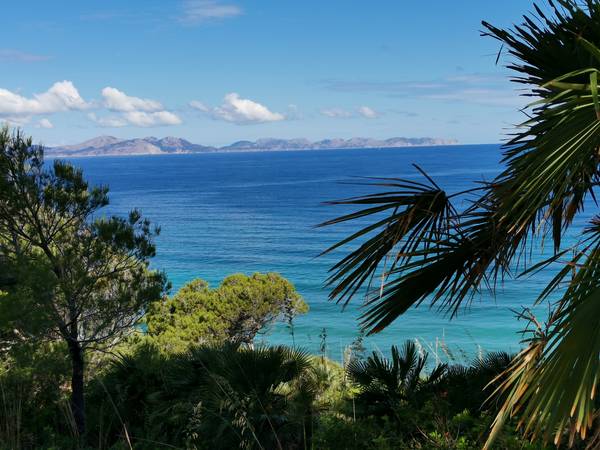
(112, 146)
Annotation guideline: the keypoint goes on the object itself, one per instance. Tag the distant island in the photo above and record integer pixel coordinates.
(112, 146)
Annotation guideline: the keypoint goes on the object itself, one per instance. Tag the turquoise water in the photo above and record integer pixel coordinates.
(248, 212)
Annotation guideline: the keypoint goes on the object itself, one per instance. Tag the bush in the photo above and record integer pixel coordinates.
(208, 397)
(238, 397)
(33, 402)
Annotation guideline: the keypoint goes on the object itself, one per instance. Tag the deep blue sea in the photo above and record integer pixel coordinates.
(256, 212)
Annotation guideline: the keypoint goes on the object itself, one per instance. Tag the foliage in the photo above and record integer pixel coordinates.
(70, 282)
(234, 312)
(71, 276)
(425, 248)
(261, 397)
(469, 388)
(31, 394)
(208, 397)
(334, 432)
(239, 397)
(400, 403)
(330, 384)
(461, 432)
(385, 383)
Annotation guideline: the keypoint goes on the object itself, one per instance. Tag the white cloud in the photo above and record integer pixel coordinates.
(367, 112)
(150, 119)
(341, 113)
(108, 122)
(136, 118)
(239, 110)
(134, 111)
(44, 123)
(18, 110)
(199, 11)
(336, 113)
(199, 106)
(116, 100)
(62, 96)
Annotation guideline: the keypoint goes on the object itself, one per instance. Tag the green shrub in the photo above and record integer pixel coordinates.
(33, 402)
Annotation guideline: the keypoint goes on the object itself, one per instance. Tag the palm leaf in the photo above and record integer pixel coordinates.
(418, 211)
(428, 250)
(556, 389)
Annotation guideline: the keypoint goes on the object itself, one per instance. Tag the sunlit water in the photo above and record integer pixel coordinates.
(249, 212)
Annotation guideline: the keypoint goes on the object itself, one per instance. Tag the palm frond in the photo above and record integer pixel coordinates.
(552, 161)
(552, 169)
(552, 382)
(420, 213)
(384, 383)
(425, 249)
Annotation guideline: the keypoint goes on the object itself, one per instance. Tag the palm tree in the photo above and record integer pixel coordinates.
(468, 387)
(384, 384)
(425, 249)
(251, 398)
(223, 397)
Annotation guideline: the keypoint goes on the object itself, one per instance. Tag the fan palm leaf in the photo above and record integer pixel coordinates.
(417, 210)
(245, 400)
(427, 250)
(384, 383)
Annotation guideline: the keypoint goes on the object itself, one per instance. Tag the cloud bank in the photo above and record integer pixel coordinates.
(116, 109)
(63, 96)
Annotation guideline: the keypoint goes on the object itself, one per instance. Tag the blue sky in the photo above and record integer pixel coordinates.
(217, 71)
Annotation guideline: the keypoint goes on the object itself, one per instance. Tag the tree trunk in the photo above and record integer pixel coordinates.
(77, 398)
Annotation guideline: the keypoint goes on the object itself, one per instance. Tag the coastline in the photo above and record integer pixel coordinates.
(252, 150)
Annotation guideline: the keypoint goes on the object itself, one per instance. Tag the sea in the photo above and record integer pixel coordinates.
(225, 213)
